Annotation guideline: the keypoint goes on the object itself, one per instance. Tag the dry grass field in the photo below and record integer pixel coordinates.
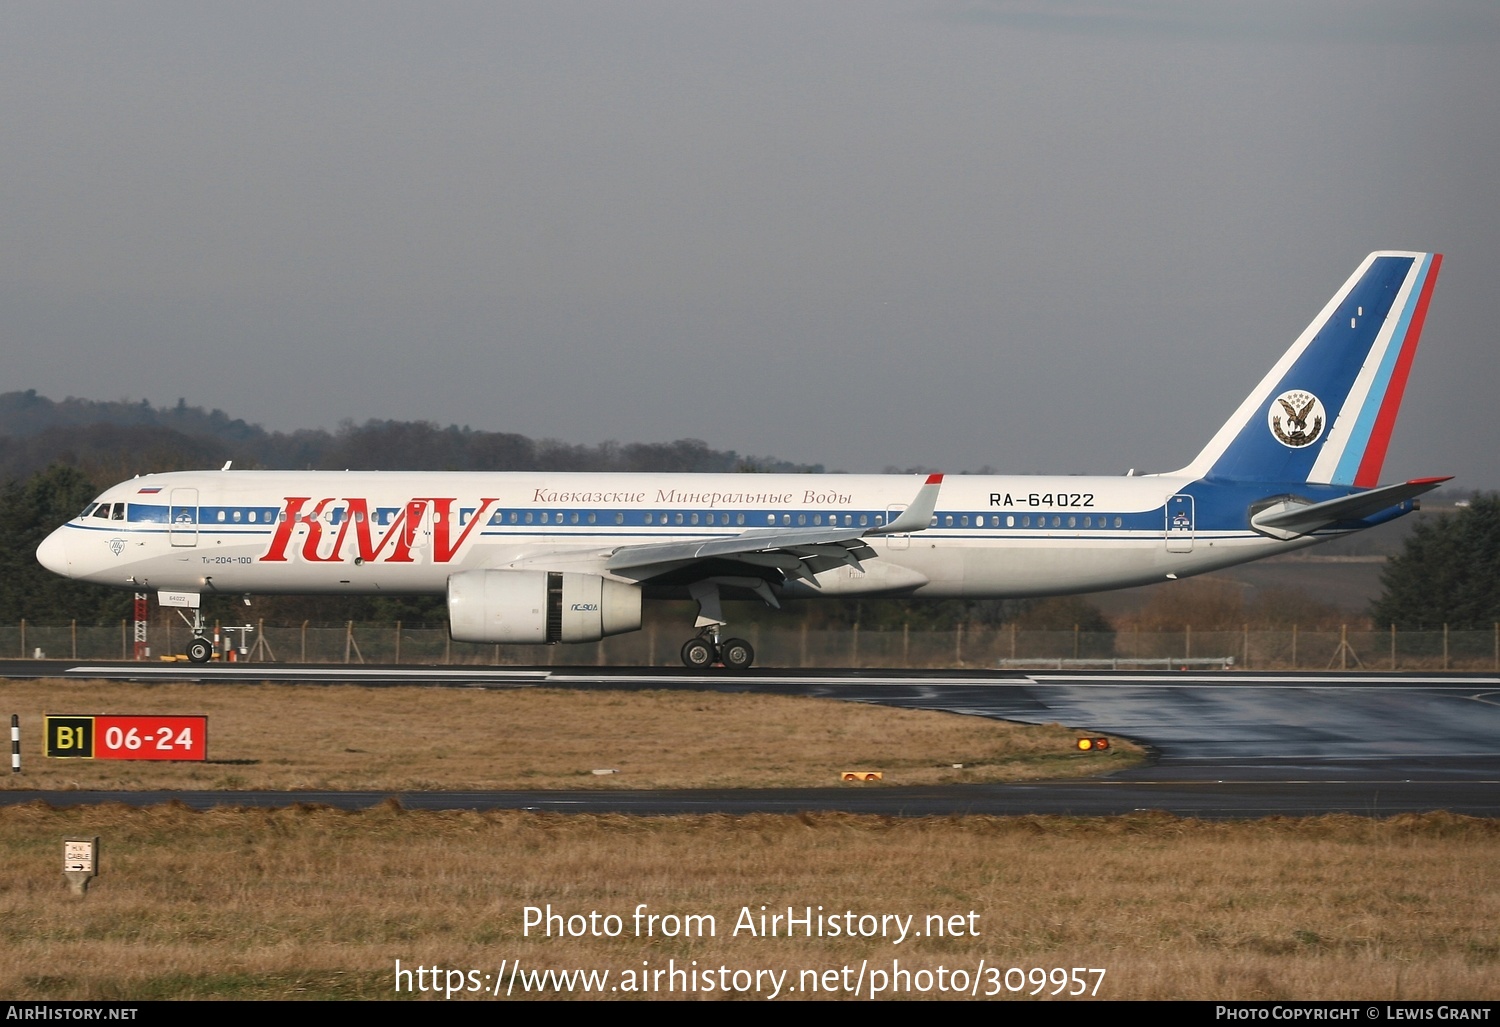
(400, 739)
(309, 902)
(316, 903)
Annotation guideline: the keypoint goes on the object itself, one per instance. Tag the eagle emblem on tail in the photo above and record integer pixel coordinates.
(1296, 419)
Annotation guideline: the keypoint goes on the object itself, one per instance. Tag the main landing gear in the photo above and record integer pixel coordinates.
(707, 650)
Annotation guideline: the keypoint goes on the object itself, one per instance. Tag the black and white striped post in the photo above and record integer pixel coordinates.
(15, 743)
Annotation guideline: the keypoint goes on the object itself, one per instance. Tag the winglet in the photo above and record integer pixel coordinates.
(919, 514)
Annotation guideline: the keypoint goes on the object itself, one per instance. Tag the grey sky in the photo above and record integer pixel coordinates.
(1061, 237)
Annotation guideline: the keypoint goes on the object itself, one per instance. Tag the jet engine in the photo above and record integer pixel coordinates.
(521, 607)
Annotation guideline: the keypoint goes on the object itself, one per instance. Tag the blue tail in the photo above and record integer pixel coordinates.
(1324, 413)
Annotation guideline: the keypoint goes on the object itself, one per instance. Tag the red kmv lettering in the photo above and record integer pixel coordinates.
(443, 519)
(279, 541)
(401, 535)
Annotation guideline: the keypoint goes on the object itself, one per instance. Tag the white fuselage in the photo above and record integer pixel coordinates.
(275, 532)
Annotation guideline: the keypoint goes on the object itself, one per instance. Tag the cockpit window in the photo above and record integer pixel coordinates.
(119, 512)
(102, 511)
(88, 510)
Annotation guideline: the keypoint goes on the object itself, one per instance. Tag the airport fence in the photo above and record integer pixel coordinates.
(798, 646)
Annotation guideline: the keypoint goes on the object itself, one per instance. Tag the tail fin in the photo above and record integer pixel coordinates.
(1325, 412)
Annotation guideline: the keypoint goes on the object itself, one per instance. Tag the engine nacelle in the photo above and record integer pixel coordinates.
(528, 607)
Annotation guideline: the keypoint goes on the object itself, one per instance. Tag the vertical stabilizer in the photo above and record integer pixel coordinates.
(1324, 413)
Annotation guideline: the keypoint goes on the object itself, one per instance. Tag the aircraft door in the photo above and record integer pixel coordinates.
(1180, 524)
(182, 517)
(903, 540)
(418, 524)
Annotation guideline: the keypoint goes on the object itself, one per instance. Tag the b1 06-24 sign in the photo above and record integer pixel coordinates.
(113, 737)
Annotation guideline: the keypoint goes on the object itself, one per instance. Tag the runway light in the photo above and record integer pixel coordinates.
(861, 775)
(1093, 744)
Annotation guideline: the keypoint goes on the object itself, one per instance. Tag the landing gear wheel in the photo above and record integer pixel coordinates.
(736, 653)
(199, 650)
(697, 653)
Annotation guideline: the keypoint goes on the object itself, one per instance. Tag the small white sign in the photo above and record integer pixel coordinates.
(187, 599)
(78, 856)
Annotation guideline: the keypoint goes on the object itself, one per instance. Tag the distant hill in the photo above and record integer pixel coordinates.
(111, 440)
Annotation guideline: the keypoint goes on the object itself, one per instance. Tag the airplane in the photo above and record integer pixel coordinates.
(544, 557)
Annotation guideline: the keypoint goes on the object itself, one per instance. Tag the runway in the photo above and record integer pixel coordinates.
(1224, 744)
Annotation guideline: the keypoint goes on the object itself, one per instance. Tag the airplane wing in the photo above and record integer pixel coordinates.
(801, 552)
(1290, 519)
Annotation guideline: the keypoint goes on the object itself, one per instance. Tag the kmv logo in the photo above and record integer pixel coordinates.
(342, 530)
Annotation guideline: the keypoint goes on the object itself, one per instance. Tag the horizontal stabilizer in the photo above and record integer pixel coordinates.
(1290, 519)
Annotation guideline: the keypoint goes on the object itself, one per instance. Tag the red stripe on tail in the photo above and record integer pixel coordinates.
(1368, 474)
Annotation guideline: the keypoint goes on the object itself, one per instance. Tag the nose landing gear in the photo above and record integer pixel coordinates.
(200, 650)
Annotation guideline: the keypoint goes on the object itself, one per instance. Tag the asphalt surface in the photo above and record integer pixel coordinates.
(1224, 744)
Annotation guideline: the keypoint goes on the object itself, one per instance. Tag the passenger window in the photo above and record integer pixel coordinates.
(1118, 522)
(801, 519)
(1010, 520)
(1072, 521)
(964, 521)
(221, 517)
(864, 520)
(739, 518)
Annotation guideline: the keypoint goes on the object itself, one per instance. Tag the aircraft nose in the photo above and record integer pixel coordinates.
(53, 554)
